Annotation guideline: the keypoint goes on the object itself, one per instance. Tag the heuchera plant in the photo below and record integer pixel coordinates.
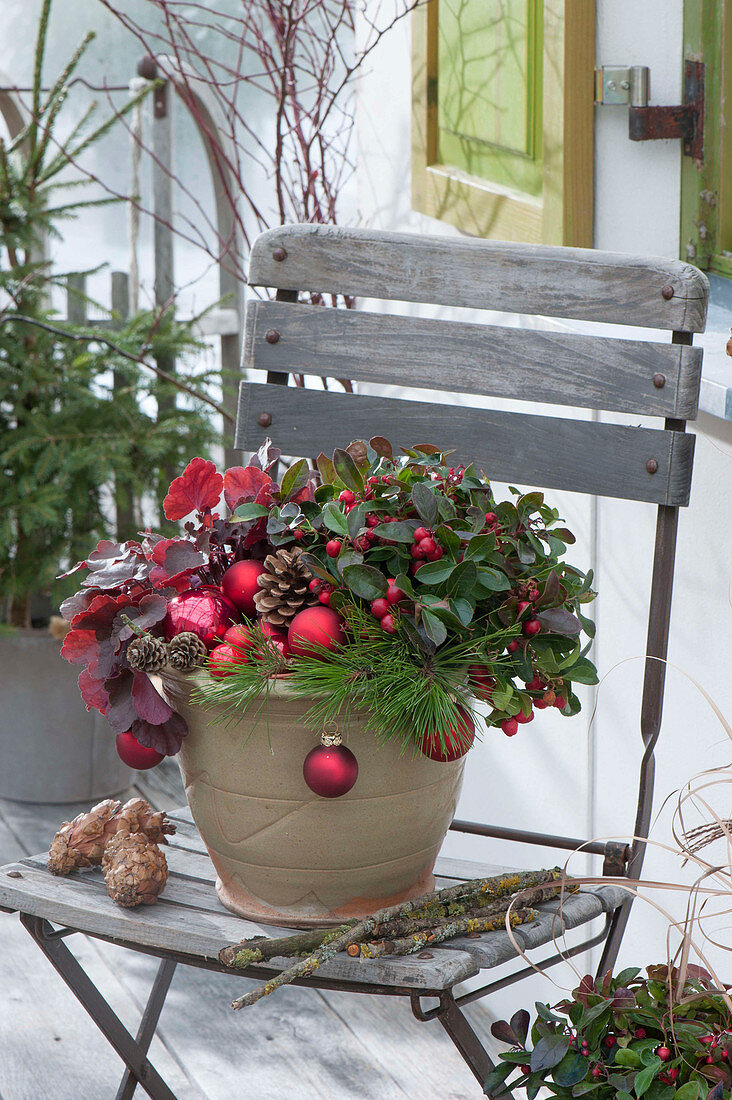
(627, 1037)
(445, 593)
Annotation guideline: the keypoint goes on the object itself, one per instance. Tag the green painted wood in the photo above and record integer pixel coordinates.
(578, 455)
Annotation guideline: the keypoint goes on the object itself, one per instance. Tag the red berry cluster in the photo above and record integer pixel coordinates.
(322, 589)
(384, 608)
(424, 548)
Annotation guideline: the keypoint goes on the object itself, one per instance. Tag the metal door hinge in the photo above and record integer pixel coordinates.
(632, 85)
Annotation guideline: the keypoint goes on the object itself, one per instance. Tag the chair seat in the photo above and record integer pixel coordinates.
(190, 924)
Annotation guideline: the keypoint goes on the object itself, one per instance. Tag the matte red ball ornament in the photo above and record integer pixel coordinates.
(330, 769)
(135, 755)
(205, 611)
(240, 582)
(315, 626)
(457, 741)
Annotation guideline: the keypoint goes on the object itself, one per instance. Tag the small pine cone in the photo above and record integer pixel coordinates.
(147, 653)
(137, 816)
(81, 842)
(186, 651)
(283, 587)
(135, 870)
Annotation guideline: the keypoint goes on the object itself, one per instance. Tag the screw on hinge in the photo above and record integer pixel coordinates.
(703, 231)
(667, 292)
(272, 336)
(279, 254)
(652, 466)
(264, 420)
(659, 381)
(709, 197)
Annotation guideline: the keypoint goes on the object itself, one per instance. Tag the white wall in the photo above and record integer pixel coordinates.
(637, 196)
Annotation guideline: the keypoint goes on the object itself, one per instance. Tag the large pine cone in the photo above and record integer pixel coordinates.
(147, 653)
(283, 587)
(81, 842)
(135, 870)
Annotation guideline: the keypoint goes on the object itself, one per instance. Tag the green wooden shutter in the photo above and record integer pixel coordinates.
(490, 90)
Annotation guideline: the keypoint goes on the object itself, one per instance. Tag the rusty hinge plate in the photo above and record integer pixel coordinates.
(685, 121)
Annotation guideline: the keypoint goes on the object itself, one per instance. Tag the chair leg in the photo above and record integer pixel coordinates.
(149, 1023)
(130, 1050)
(467, 1042)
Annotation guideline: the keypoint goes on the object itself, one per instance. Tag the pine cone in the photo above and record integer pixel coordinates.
(135, 870)
(137, 816)
(186, 651)
(283, 587)
(147, 653)
(81, 842)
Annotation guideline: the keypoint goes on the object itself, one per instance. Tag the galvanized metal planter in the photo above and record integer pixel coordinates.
(287, 856)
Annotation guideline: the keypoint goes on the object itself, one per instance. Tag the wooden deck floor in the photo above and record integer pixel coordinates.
(300, 1043)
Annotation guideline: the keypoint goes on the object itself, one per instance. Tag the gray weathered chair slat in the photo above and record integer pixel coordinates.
(579, 455)
(533, 364)
(525, 364)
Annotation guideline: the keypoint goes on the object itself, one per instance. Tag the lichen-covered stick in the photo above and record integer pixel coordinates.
(494, 887)
(491, 921)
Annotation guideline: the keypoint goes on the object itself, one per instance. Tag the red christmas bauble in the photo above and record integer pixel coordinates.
(457, 741)
(240, 637)
(135, 755)
(240, 582)
(315, 626)
(224, 660)
(330, 770)
(205, 611)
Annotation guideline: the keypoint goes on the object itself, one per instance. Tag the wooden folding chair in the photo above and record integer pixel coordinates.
(188, 925)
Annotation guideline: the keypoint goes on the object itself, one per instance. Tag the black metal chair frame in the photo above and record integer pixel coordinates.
(620, 859)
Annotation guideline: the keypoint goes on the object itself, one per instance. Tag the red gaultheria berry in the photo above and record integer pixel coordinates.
(388, 623)
(368, 494)
(481, 681)
(707, 1039)
(585, 1045)
(239, 637)
(512, 646)
(428, 545)
(533, 593)
(673, 1073)
(532, 626)
(224, 660)
(135, 755)
(525, 1069)
(436, 554)
(549, 697)
(314, 627)
(422, 533)
(509, 726)
(315, 585)
(490, 518)
(394, 594)
(709, 1059)
(640, 1033)
(457, 741)
(523, 605)
(610, 1041)
(298, 534)
(373, 521)
(417, 550)
(363, 541)
(596, 1071)
(240, 582)
(416, 565)
(333, 548)
(373, 480)
(663, 1053)
(560, 702)
(539, 704)
(537, 684)
(324, 597)
(347, 497)
(380, 607)
(522, 718)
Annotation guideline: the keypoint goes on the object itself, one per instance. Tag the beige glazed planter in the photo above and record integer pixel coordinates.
(287, 856)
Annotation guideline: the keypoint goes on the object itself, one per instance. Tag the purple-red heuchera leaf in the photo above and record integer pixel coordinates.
(148, 704)
(243, 484)
(166, 738)
(89, 642)
(177, 555)
(93, 692)
(266, 456)
(198, 488)
(77, 603)
(147, 613)
(121, 711)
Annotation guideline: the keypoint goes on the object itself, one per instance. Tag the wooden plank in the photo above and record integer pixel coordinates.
(530, 364)
(74, 903)
(581, 456)
(584, 284)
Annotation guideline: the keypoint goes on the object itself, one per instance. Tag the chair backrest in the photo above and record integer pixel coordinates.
(631, 376)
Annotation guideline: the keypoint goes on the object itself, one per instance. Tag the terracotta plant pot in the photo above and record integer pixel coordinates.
(287, 856)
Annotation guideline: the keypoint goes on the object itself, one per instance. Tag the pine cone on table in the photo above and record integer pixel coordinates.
(186, 651)
(283, 587)
(147, 653)
(135, 870)
(137, 816)
(81, 842)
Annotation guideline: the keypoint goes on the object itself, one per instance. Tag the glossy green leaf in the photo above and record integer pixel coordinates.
(425, 501)
(347, 470)
(365, 581)
(251, 511)
(294, 479)
(334, 519)
(435, 572)
(548, 1052)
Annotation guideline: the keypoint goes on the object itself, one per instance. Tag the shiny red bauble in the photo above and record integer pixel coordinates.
(240, 582)
(330, 771)
(224, 660)
(205, 611)
(457, 741)
(239, 637)
(313, 627)
(135, 755)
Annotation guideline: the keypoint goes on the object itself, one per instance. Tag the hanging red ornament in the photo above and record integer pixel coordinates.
(205, 611)
(224, 660)
(313, 627)
(456, 741)
(135, 755)
(330, 769)
(240, 582)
